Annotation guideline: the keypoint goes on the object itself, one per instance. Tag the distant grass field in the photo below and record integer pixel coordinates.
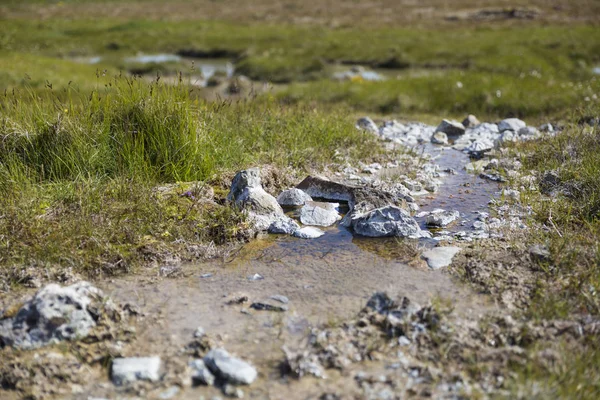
(528, 71)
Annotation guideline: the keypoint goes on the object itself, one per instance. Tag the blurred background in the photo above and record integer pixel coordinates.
(533, 59)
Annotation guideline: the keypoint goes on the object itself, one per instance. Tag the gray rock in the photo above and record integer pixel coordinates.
(263, 210)
(55, 314)
(441, 218)
(229, 368)
(285, 226)
(511, 124)
(201, 375)
(548, 127)
(386, 221)
(471, 121)
(367, 124)
(129, 370)
(308, 232)
(293, 197)
(318, 216)
(451, 128)
(440, 257)
(439, 138)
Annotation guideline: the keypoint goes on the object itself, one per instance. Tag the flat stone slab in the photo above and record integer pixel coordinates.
(129, 370)
(309, 232)
(229, 368)
(440, 257)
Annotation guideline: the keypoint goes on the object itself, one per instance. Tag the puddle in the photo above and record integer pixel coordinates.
(463, 192)
(153, 58)
(87, 60)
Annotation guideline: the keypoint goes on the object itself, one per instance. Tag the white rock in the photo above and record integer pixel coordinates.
(441, 218)
(293, 197)
(128, 370)
(229, 368)
(440, 257)
(308, 232)
(318, 216)
(511, 124)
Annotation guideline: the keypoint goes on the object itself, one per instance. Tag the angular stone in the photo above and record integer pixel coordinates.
(441, 218)
(229, 368)
(471, 121)
(55, 314)
(129, 370)
(201, 375)
(511, 124)
(308, 232)
(318, 216)
(451, 128)
(264, 211)
(293, 197)
(440, 257)
(283, 225)
(385, 222)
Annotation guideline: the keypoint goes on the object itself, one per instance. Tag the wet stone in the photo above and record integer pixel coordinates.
(129, 370)
(441, 218)
(293, 197)
(229, 368)
(308, 232)
(319, 216)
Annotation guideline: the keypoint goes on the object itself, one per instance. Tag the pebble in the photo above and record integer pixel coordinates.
(128, 370)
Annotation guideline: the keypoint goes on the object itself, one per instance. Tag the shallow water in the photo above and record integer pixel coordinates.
(464, 192)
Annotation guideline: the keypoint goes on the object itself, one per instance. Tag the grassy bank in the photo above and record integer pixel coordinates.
(567, 208)
(79, 172)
